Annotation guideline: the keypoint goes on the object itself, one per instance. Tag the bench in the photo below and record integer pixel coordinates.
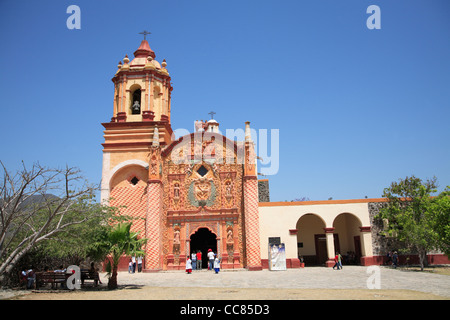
(54, 278)
(87, 275)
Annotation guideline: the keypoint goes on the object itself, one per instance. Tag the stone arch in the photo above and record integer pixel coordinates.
(135, 94)
(109, 174)
(126, 177)
(311, 243)
(122, 165)
(128, 188)
(347, 226)
(203, 238)
(196, 229)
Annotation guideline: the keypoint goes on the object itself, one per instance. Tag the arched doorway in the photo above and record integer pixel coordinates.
(311, 240)
(203, 239)
(347, 226)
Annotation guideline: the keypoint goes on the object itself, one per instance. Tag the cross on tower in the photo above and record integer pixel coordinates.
(145, 32)
(212, 113)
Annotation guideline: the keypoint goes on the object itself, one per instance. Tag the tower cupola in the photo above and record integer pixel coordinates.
(142, 88)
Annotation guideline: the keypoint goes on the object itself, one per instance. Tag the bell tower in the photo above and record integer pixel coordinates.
(142, 88)
(138, 130)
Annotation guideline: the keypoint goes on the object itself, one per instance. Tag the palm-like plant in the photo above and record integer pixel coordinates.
(121, 241)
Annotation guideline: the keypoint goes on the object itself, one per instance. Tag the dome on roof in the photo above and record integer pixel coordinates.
(141, 55)
(212, 121)
(144, 51)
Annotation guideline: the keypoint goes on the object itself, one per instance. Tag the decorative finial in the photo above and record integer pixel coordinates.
(212, 113)
(248, 135)
(155, 142)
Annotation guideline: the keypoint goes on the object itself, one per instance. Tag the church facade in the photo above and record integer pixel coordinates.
(196, 193)
(201, 191)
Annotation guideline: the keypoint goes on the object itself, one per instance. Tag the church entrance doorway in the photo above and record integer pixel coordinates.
(203, 239)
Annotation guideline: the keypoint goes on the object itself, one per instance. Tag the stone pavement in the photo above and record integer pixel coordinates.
(350, 277)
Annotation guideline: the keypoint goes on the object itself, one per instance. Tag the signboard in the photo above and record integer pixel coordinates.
(274, 240)
(277, 257)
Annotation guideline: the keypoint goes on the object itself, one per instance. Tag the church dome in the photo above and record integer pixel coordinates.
(144, 51)
(141, 55)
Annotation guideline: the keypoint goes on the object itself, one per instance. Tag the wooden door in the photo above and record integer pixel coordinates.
(321, 248)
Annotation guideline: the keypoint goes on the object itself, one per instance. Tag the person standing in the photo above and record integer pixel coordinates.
(216, 265)
(211, 259)
(194, 260)
(389, 258)
(199, 260)
(188, 265)
(339, 260)
(130, 266)
(139, 263)
(336, 261)
(395, 259)
(133, 259)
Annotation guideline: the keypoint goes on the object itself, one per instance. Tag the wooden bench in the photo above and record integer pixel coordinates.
(87, 275)
(54, 278)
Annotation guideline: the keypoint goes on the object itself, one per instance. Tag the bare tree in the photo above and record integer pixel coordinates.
(35, 205)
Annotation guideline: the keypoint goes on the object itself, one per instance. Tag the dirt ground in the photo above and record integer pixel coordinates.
(293, 284)
(166, 293)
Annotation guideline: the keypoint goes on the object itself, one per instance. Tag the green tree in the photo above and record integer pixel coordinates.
(81, 241)
(118, 242)
(440, 212)
(38, 205)
(414, 216)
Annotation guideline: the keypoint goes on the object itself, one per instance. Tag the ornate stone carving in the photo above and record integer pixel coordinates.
(176, 240)
(230, 235)
(202, 192)
(206, 199)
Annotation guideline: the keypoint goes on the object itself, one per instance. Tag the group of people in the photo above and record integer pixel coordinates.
(194, 262)
(337, 261)
(28, 276)
(132, 264)
(392, 258)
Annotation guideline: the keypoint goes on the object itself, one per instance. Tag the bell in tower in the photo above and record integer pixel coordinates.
(142, 88)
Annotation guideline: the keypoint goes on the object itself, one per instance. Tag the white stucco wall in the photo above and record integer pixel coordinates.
(276, 219)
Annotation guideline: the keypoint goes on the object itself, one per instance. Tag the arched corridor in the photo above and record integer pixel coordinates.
(311, 241)
(347, 227)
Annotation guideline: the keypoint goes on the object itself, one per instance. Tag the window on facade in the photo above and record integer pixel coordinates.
(202, 171)
(134, 181)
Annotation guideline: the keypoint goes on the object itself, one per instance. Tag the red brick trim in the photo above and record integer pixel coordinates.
(306, 203)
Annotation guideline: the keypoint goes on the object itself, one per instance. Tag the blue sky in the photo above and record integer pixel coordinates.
(356, 108)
